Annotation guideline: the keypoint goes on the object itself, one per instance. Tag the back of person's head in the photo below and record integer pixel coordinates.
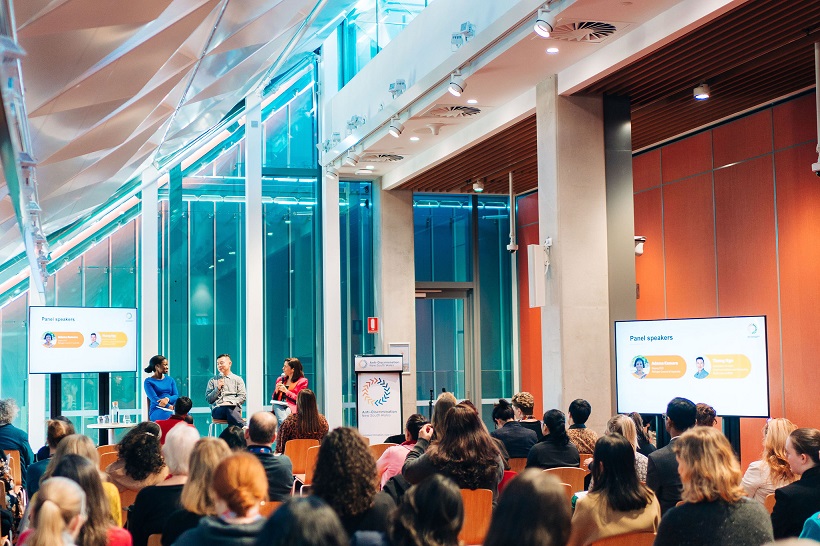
(806, 441)
(613, 470)
(262, 428)
(707, 466)
(73, 444)
(532, 510)
(234, 436)
(556, 423)
(775, 433)
(56, 430)
(682, 413)
(579, 410)
(58, 507)
(706, 415)
(140, 451)
(414, 424)
(444, 402)
(503, 411)
(183, 405)
(307, 412)
(345, 475)
(430, 513)
(466, 453)
(98, 511)
(639, 426)
(240, 481)
(178, 447)
(8, 411)
(303, 521)
(623, 425)
(525, 402)
(196, 493)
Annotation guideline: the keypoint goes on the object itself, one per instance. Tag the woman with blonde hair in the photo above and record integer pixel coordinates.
(625, 426)
(772, 470)
(57, 514)
(714, 508)
(197, 499)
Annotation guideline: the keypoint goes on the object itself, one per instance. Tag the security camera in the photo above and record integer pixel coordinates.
(512, 247)
(816, 168)
(639, 241)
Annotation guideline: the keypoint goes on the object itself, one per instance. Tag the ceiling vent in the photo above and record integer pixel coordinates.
(451, 112)
(381, 158)
(590, 32)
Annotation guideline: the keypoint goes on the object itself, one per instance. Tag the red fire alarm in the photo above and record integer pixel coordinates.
(372, 325)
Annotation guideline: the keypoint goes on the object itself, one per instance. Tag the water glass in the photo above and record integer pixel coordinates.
(126, 419)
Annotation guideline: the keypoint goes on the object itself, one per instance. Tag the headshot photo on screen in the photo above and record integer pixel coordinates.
(94, 343)
(701, 372)
(641, 367)
(48, 339)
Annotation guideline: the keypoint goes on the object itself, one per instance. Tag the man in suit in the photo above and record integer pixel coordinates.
(259, 436)
(662, 470)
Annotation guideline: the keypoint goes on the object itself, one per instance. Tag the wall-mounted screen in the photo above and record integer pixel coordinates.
(82, 339)
(720, 361)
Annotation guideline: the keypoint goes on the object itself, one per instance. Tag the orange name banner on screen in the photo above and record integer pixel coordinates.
(729, 366)
(113, 339)
(666, 367)
(68, 340)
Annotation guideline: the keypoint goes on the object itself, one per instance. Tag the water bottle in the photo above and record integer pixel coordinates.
(115, 412)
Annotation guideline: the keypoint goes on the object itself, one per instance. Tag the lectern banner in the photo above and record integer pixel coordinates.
(379, 404)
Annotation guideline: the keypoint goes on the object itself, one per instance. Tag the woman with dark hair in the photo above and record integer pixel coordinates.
(517, 439)
(533, 510)
(160, 388)
(139, 459)
(307, 423)
(795, 503)
(617, 503)
(466, 453)
(345, 478)
(290, 383)
(555, 449)
(234, 436)
(306, 521)
(523, 404)
(391, 461)
(645, 445)
(706, 415)
(430, 513)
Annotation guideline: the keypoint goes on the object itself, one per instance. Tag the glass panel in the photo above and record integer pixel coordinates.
(443, 239)
(14, 356)
(201, 269)
(440, 357)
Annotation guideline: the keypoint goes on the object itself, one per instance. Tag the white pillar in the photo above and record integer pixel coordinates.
(254, 259)
(332, 301)
(149, 278)
(37, 400)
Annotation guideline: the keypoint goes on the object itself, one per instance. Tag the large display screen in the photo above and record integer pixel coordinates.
(721, 361)
(82, 339)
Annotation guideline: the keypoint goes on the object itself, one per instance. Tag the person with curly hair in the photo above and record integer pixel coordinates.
(523, 404)
(305, 423)
(555, 449)
(345, 478)
(706, 415)
(430, 513)
(466, 453)
(772, 471)
(139, 459)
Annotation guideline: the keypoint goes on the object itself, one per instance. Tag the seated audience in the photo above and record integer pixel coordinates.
(259, 436)
(523, 404)
(45, 452)
(811, 529)
(306, 423)
(517, 439)
(662, 468)
(617, 502)
(392, 459)
(12, 437)
(306, 521)
(715, 510)
(55, 432)
(234, 436)
(555, 449)
(706, 415)
(623, 425)
(509, 474)
(465, 453)
(182, 406)
(444, 403)
(12, 514)
(239, 487)
(646, 444)
(533, 510)
(431, 512)
(345, 478)
(57, 514)
(139, 459)
(772, 470)
(583, 438)
(197, 499)
(796, 502)
(155, 503)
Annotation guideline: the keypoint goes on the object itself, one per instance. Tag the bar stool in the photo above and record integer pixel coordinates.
(214, 424)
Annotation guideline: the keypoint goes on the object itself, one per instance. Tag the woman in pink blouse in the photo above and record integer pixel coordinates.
(391, 461)
(292, 381)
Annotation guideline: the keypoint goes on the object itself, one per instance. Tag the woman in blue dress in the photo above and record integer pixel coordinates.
(160, 388)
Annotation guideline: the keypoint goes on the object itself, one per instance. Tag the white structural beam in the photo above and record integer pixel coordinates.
(332, 299)
(149, 266)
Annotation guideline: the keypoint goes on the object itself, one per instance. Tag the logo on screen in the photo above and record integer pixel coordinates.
(752, 328)
(376, 392)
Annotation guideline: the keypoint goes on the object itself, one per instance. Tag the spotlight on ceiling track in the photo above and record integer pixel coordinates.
(478, 186)
(331, 174)
(352, 158)
(542, 27)
(701, 92)
(457, 84)
(395, 128)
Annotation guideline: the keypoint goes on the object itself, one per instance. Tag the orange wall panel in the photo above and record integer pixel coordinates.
(687, 157)
(649, 268)
(529, 319)
(744, 138)
(646, 170)
(795, 122)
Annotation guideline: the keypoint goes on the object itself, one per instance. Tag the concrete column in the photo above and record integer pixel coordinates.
(396, 280)
(572, 213)
(254, 257)
(331, 302)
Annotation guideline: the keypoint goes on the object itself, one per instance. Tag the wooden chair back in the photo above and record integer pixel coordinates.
(478, 511)
(15, 467)
(569, 474)
(108, 458)
(110, 448)
(518, 464)
(127, 498)
(3, 502)
(268, 508)
(629, 539)
(366, 440)
(296, 450)
(310, 464)
(568, 491)
(768, 503)
(155, 540)
(378, 449)
(584, 457)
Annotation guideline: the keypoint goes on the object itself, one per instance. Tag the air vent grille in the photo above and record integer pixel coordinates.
(381, 158)
(593, 32)
(452, 111)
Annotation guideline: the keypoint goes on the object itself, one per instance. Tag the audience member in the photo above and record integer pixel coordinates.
(509, 474)
(623, 425)
(182, 406)
(533, 510)
(662, 469)
(306, 521)
(155, 503)
(160, 388)
(239, 487)
(617, 503)
(306, 423)
(234, 436)
(225, 393)
(646, 444)
(517, 439)
(259, 436)
(523, 404)
(12, 437)
(197, 498)
(431, 512)
(772, 470)
(345, 478)
(45, 452)
(583, 438)
(555, 449)
(56, 430)
(715, 510)
(58, 513)
(444, 403)
(139, 459)
(796, 502)
(706, 415)
(392, 459)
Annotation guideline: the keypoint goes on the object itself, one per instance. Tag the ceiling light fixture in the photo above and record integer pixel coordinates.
(395, 128)
(702, 92)
(478, 186)
(457, 84)
(352, 158)
(542, 27)
(415, 138)
(397, 87)
(331, 174)
(472, 101)
(552, 50)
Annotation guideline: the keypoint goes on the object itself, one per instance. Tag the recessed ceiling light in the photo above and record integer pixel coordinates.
(363, 171)
(369, 167)
(552, 50)
(472, 101)
(414, 138)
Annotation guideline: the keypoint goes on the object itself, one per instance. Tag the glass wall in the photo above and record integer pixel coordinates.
(13, 356)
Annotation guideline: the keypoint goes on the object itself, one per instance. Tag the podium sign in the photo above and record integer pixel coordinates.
(378, 396)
